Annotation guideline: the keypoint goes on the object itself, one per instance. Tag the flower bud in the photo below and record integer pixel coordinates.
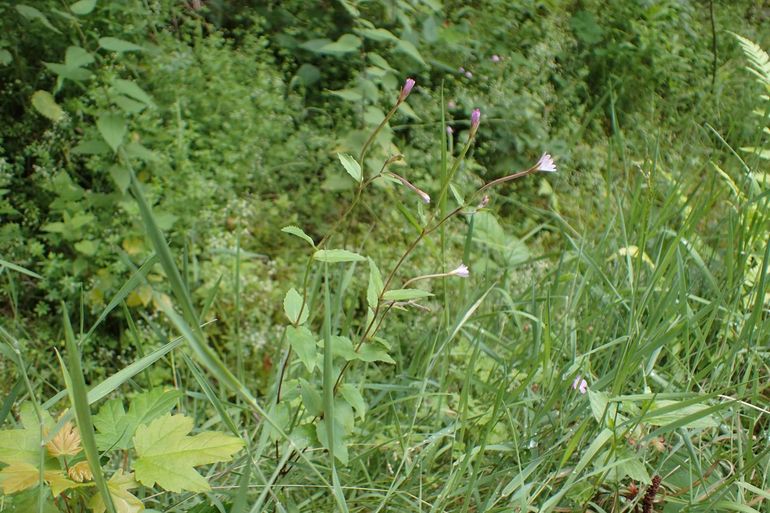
(408, 85)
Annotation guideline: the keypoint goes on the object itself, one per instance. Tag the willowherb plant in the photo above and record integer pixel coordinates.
(330, 414)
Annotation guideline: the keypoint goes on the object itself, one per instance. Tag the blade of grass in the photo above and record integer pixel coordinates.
(76, 385)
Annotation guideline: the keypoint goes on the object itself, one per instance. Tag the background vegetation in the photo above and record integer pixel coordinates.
(153, 154)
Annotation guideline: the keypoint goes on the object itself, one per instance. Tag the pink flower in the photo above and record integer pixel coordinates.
(580, 384)
(495, 58)
(468, 74)
(461, 69)
(408, 85)
(546, 164)
(449, 130)
(484, 202)
(423, 195)
(475, 119)
(461, 271)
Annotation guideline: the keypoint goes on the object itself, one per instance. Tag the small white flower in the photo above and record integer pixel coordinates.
(461, 271)
(580, 384)
(546, 164)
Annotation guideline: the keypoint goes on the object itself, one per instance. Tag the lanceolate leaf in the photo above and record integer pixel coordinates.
(167, 455)
(351, 166)
(334, 256)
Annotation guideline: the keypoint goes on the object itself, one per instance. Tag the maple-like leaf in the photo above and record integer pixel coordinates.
(115, 427)
(23, 445)
(124, 501)
(21, 476)
(166, 455)
(66, 442)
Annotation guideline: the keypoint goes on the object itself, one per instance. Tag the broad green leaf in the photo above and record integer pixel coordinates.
(116, 427)
(345, 44)
(374, 289)
(76, 57)
(124, 501)
(343, 426)
(369, 352)
(69, 72)
(354, 398)
(83, 7)
(281, 415)
(128, 105)
(130, 88)
(292, 306)
(91, 148)
(379, 34)
(409, 49)
(24, 445)
(297, 232)
(405, 294)
(45, 104)
(87, 247)
(351, 166)
(33, 14)
(311, 398)
(674, 412)
(5, 57)
(121, 176)
(113, 44)
(334, 256)
(166, 455)
(113, 129)
(302, 342)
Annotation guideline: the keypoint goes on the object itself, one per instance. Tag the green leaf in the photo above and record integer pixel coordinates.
(374, 289)
(354, 398)
(116, 427)
(334, 256)
(76, 57)
(113, 44)
(343, 426)
(379, 34)
(83, 7)
(292, 306)
(351, 166)
(345, 44)
(91, 148)
(311, 398)
(130, 88)
(297, 232)
(369, 352)
(673, 411)
(45, 104)
(113, 129)
(5, 57)
(302, 342)
(405, 294)
(409, 49)
(121, 176)
(20, 446)
(87, 247)
(68, 72)
(33, 14)
(167, 456)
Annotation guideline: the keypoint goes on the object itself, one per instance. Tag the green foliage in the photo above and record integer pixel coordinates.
(160, 158)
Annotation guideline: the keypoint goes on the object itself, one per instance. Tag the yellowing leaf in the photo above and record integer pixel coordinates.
(80, 471)
(166, 455)
(21, 476)
(124, 501)
(66, 442)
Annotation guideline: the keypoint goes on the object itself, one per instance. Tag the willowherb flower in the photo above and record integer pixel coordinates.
(546, 164)
(495, 58)
(423, 195)
(408, 85)
(468, 74)
(475, 119)
(449, 130)
(484, 202)
(461, 271)
(461, 69)
(580, 384)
